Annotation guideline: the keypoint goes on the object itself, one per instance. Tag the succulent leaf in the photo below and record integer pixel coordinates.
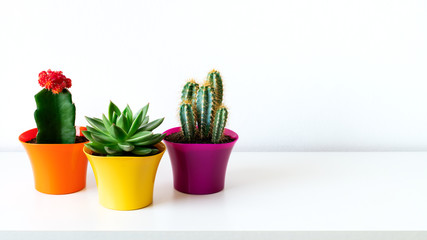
(113, 149)
(156, 138)
(141, 151)
(140, 136)
(88, 135)
(122, 122)
(117, 132)
(145, 110)
(151, 125)
(101, 138)
(96, 147)
(96, 123)
(126, 147)
(145, 121)
(106, 122)
(114, 120)
(112, 108)
(154, 151)
(94, 130)
(136, 123)
(128, 113)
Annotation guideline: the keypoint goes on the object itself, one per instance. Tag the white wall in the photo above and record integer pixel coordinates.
(299, 75)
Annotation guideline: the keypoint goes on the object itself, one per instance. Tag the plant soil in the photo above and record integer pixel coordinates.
(79, 139)
(178, 137)
(123, 155)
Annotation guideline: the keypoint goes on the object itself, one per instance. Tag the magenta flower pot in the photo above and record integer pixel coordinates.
(199, 168)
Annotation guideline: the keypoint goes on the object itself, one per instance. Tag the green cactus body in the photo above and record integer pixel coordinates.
(189, 92)
(215, 80)
(205, 109)
(55, 117)
(188, 124)
(219, 124)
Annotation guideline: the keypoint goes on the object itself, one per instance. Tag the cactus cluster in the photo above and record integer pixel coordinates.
(123, 133)
(201, 112)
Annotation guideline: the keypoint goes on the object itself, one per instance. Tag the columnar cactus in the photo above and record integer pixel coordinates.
(203, 106)
(215, 80)
(188, 122)
(56, 113)
(189, 92)
(219, 124)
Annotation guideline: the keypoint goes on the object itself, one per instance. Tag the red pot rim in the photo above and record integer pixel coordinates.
(32, 133)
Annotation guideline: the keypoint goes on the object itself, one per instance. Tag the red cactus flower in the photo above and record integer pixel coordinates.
(54, 81)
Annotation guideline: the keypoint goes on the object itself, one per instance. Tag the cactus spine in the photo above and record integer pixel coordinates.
(203, 105)
(188, 123)
(219, 124)
(215, 80)
(205, 109)
(189, 92)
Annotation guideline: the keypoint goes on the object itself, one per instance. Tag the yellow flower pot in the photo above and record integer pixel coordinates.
(125, 183)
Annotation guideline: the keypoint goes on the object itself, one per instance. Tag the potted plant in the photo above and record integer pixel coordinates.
(55, 146)
(199, 150)
(124, 155)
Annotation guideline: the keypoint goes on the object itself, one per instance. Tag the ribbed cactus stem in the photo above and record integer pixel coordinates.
(215, 80)
(189, 92)
(219, 124)
(188, 124)
(55, 117)
(205, 109)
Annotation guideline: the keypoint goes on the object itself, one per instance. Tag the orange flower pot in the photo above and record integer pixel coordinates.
(57, 168)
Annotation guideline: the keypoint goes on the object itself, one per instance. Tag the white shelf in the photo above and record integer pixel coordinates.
(264, 191)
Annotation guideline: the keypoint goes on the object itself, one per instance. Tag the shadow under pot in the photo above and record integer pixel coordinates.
(125, 182)
(199, 168)
(57, 168)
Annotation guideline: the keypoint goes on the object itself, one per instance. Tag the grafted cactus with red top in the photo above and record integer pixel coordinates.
(54, 81)
(56, 113)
